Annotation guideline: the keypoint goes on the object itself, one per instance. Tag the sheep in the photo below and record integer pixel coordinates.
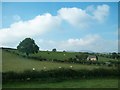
(59, 67)
(33, 69)
(28, 79)
(44, 67)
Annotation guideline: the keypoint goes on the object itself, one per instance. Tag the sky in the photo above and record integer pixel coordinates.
(71, 26)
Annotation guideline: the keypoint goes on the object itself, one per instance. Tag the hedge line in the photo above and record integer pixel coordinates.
(59, 74)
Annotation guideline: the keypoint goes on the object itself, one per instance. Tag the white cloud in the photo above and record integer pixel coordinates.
(70, 44)
(47, 22)
(81, 42)
(101, 12)
(22, 29)
(84, 18)
(92, 42)
(75, 16)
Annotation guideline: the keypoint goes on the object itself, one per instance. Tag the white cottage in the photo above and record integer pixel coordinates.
(91, 58)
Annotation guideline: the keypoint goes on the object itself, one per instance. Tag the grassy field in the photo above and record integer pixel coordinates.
(12, 62)
(90, 83)
(56, 55)
(62, 55)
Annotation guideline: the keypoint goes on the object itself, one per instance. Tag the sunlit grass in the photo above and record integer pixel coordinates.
(12, 62)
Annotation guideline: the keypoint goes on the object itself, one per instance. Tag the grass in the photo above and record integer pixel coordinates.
(12, 62)
(56, 55)
(16, 63)
(104, 59)
(62, 55)
(90, 83)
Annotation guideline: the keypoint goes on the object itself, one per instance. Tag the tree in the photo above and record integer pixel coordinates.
(96, 57)
(54, 50)
(28, 46)
(64, 51)
(114, 55)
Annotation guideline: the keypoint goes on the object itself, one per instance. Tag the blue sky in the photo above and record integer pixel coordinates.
(62, 25)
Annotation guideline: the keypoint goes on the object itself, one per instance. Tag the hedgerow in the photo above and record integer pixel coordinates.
(59, 74)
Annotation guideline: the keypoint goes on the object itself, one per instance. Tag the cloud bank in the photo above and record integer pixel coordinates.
(45, 23)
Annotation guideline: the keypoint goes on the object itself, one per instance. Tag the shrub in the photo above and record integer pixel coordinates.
(59, 74)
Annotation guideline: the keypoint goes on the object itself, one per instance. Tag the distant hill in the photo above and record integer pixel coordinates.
(86, 51)
(80, 51)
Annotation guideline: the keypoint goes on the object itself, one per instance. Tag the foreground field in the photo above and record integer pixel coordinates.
(90, 83)
(15, 63)
(12, 62)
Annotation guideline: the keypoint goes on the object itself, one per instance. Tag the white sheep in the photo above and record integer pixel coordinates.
(71, 66)
(33, 69)
(59, 67)
(28, 79)
(44, 67)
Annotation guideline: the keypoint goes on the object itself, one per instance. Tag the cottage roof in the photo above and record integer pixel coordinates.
(92, 56)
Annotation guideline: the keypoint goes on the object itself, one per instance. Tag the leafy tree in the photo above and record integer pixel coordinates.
(97, 57)
(28, 46)
(54, 50)
(114, 55)
(64, 51)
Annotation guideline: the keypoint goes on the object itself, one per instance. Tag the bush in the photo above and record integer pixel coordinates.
(59, 74)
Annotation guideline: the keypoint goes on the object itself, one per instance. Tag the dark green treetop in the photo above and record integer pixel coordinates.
(28, 46)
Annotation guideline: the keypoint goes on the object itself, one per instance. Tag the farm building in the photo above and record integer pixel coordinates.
(92, 58)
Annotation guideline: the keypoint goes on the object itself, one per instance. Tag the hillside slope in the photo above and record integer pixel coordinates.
(12, 62)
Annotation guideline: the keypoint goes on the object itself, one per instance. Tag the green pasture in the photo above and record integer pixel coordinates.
(12, 62)
(89, 83)
(62, 55)
(56, 55)
(16, 63)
